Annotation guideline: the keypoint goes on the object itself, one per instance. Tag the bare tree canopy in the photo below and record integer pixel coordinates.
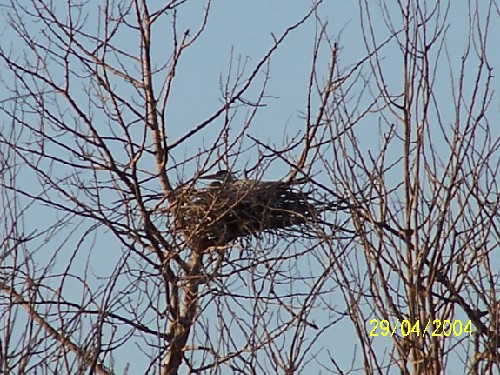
(202, 187)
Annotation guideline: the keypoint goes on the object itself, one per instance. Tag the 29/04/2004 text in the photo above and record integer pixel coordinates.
(436, 327)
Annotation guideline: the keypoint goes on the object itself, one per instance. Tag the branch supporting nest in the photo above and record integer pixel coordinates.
(223, 212)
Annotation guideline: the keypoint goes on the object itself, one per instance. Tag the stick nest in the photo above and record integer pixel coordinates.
(221, 213)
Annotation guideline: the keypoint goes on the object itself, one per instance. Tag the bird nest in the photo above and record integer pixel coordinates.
(223, 212)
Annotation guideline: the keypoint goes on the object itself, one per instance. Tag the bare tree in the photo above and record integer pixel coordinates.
(117, 258)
